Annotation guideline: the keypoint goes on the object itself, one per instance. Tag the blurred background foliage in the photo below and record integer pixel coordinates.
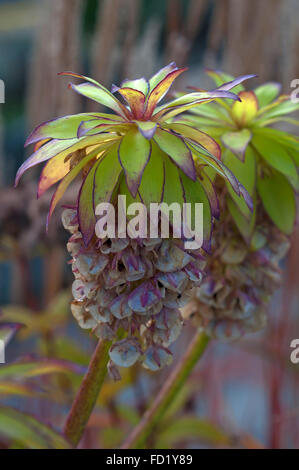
(241, 395)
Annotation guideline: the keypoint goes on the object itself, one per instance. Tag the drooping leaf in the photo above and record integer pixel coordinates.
(134, 153)
(197, 136)
(245, 226)
(54, 170)
(47, 151)
(177, 150)
(237, 142)
(66, 127)
(152, 183)
(216, 165)
(67, 180)
(29, 432)
(210, 191)
(267, 93)
(244, 111)
(279, 201)
(245, 172)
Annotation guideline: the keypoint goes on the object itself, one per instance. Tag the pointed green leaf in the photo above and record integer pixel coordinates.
(29, 432)
(100, 95)
(277, 109)
(106, 177)
(86, 215)
(134, 153)
(237, 142)
(152, 183)
(279, 201)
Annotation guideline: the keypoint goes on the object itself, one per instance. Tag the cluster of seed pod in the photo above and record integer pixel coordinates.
(240, 279)
(137, 285)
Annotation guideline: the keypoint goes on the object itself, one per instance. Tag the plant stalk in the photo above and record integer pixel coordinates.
(170, 389)
(88, 393)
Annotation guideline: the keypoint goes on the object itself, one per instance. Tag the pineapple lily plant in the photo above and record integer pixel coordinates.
(125, 287)
(243, 270)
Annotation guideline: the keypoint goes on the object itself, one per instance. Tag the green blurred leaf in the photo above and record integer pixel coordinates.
(277, 157)
(25, 429)
(279, 201)
(267, 92)
(23, 370)
(190, 428)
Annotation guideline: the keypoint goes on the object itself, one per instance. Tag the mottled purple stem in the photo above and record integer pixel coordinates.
(88, 393)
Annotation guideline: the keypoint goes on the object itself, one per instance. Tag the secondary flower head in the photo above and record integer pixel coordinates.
(243, 271)
(264, 159)
(138, 150)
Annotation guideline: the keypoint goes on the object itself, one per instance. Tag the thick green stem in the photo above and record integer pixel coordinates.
(88, 393)
(170, 389)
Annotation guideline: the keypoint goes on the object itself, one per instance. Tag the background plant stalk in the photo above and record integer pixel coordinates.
(88, 393)
(172, 386)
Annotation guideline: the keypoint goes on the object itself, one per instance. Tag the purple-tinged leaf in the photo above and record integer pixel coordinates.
(47, 151)
(67, 180)
(175, 147)
(229, 85)
(198, 137)
(237, 142)
(140, 84)
(102, 96)
(147, 128)
(161, 74)
(210, 192)
(160, 91)
(66, 127)
(135, 100)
